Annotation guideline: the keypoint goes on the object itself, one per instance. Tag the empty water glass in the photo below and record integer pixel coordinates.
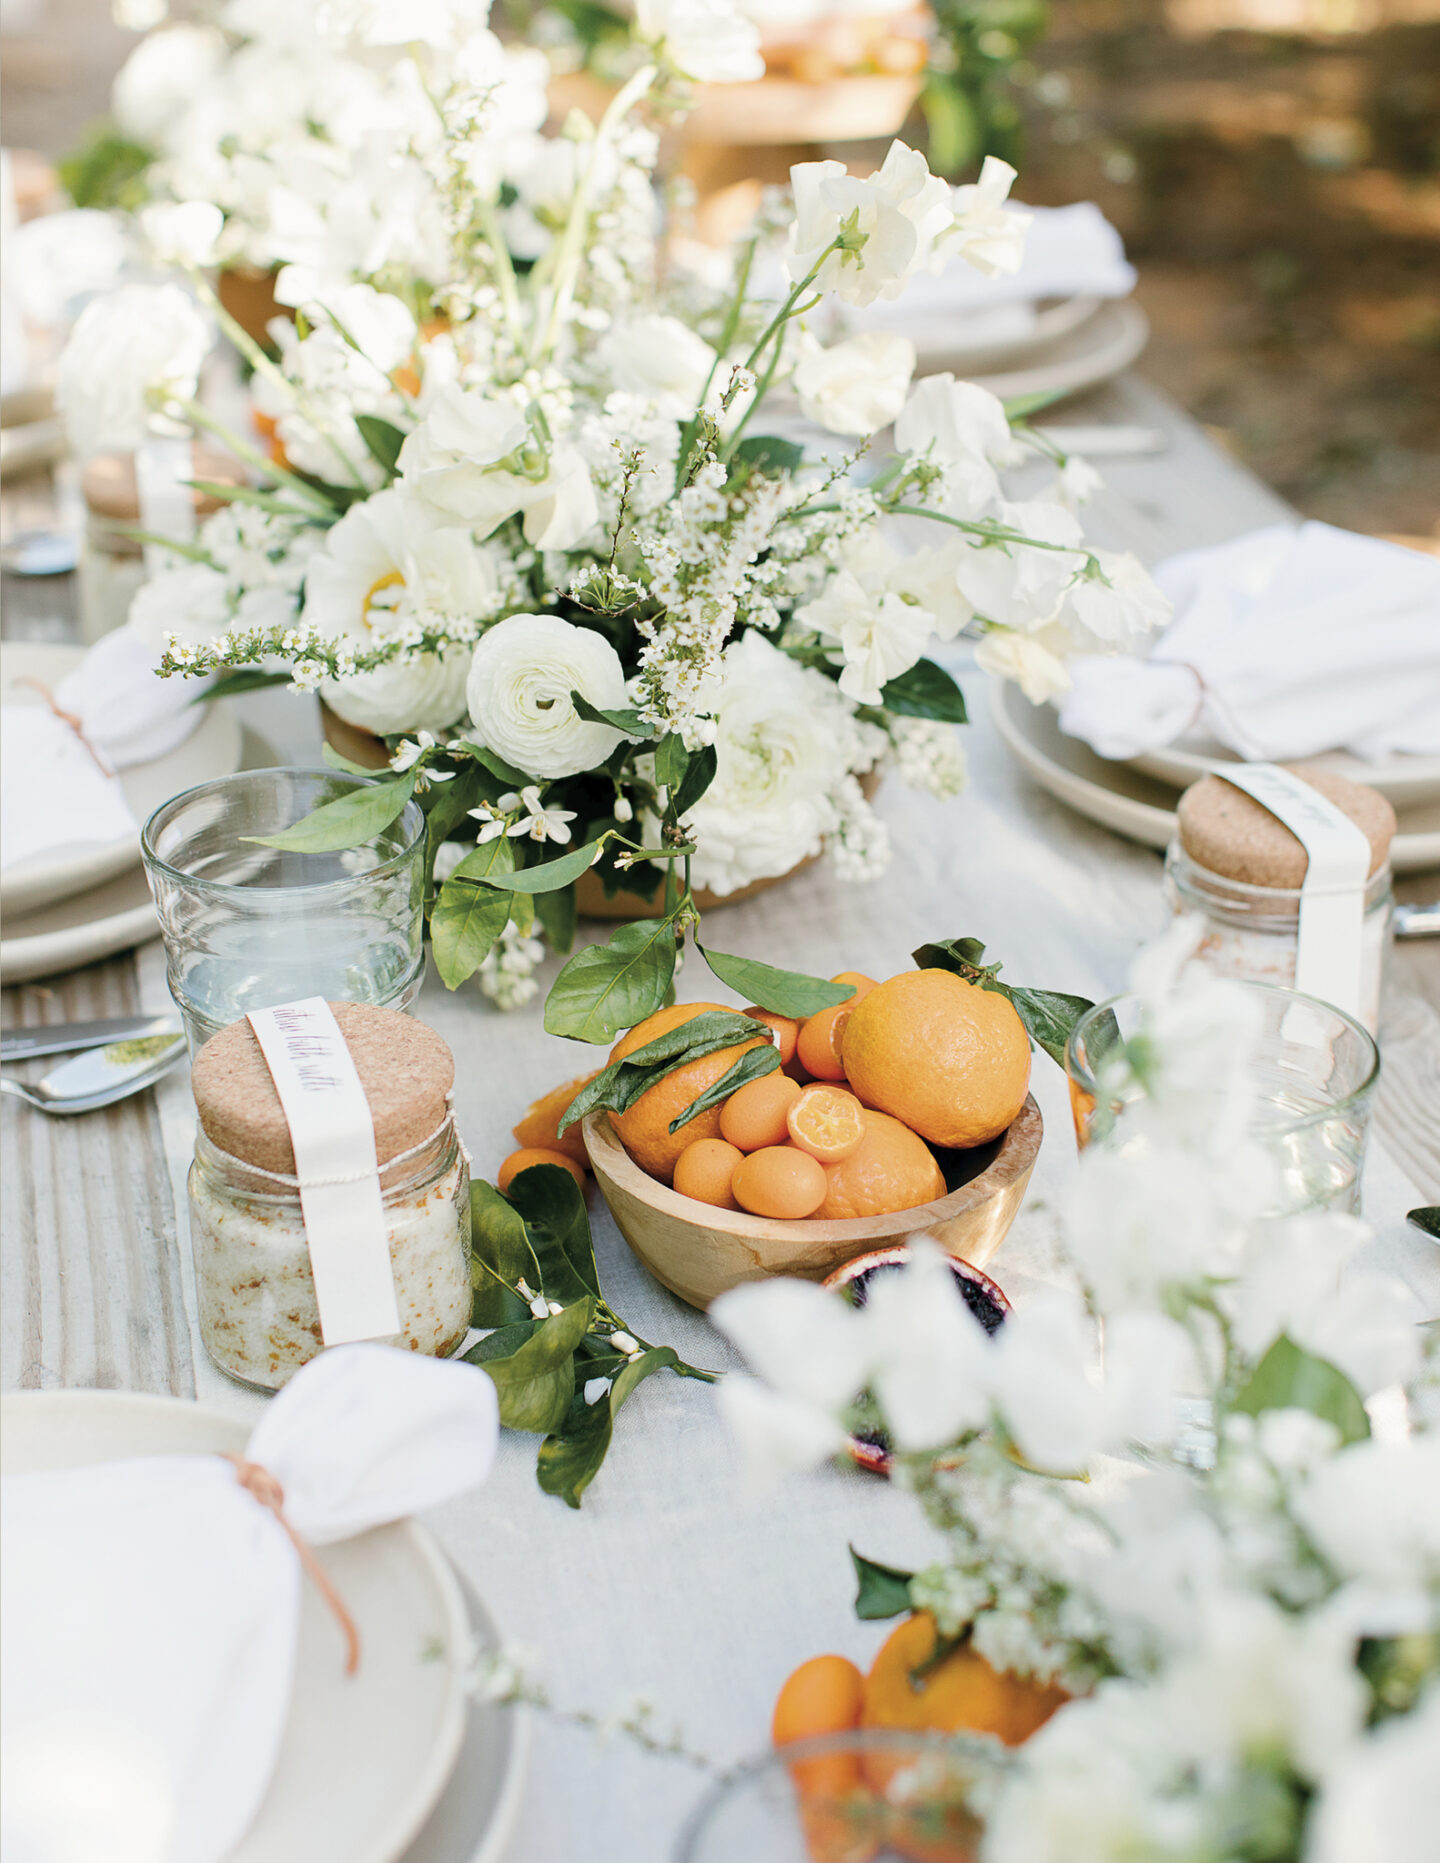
(1312, 1070)
(247, 927)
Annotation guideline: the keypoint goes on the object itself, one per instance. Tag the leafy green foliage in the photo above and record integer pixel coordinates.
(969, 97)
(785, 992)
(469, 915)
(550, 875)
(349, 821)
(609, 987)
(883, 1590)
(767, 452)
(382, 439)
(685, 774)
(541, 1361)
(556, 911)
(107, 169)
(1290, 1378)
(754, 1064)
(1426, 1219)
(1048, 1015)
(619, 1085)
(628, 721)
(252, 679)
(925, 691)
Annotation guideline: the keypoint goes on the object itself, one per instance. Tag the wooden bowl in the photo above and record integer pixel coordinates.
(699, 1252)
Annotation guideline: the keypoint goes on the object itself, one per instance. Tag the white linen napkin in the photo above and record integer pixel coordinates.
(150, 1611)
(54, 794)
(1285, 643)
(1069, 252)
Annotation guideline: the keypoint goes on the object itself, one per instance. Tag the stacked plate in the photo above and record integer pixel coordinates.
(1137, 798)
(399, 1763)
(89, 900)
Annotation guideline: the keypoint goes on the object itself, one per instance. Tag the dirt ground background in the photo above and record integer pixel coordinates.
(1279, 191)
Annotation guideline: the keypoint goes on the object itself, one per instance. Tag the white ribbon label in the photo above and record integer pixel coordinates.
(167, 502)
(1332, 895)
(334, 1139)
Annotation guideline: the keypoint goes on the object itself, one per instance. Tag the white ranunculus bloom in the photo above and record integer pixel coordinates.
(707, 40)
(387, 558)
(424, 693)
(521, 678)
(375, 322)
(988, 234)
(162, 76)
(1035, 661)
(786, 741)
(880, 634)
(659, 359)
(858, 386)
(962, 428)
(182, 233)
(131, 346)
(901, 210)
(191, 602)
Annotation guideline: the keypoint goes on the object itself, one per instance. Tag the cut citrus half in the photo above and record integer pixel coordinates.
(827, 1122)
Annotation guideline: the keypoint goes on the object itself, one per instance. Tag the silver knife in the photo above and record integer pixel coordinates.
(63, 1037)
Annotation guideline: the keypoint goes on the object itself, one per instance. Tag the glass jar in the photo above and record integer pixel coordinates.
(1252, 932)
(258, 1315)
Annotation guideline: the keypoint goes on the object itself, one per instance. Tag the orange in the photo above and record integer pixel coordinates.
(542, 1119)
(859, 983)
(950, 1059)
(827, 1122)
(522, 1160)
(890, 1169)
(779, 1181)
(704, 1170)
(823, 1696)
(786, 1031)
(645, 1128)
(962, 1694)
(821, 1037)
(754, 1115)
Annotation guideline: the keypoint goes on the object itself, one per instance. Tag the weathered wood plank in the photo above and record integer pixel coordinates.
(89, 1263)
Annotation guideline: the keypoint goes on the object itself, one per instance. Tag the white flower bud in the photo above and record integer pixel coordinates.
(622, 1342)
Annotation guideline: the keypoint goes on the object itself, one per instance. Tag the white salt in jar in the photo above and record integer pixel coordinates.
(1241, 869)
(259, 1318)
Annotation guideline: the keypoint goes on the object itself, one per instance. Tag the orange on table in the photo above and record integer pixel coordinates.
(704, 1171)
(786, 1029)
(827, 1122)
(754, 1115)
(859, 983)
(824, 1696)
(948, 1058)
(821, 1038)
(962, 1694)
(528, 1155)
(540, 1126)
(779, 1181)
(891, 1169)
(644, 1128)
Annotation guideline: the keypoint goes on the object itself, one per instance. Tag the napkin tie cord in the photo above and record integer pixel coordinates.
(73, 719)
(261, 1486)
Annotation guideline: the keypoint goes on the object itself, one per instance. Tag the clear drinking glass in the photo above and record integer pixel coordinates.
(247, 927)
(1314, 1070)
(874, 1796)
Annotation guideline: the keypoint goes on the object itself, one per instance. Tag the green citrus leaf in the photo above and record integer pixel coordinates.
(468, 917)
(609, 987)
(1290, 1378)
(350, 820)
(786, 992)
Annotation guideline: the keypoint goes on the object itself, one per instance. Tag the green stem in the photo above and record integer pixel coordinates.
(726, 338)
(199, 416)
(505, 272)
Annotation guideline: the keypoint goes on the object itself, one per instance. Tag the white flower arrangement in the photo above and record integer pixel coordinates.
(1175, 1490)
(529, 490)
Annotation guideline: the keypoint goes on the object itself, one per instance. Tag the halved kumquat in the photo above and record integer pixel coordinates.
(827, 1122)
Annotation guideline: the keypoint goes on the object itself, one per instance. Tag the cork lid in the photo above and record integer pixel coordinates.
(405, 1068)
(1228, 832)
(111, 492)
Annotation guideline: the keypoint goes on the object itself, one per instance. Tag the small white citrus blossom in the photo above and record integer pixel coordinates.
(891, 221)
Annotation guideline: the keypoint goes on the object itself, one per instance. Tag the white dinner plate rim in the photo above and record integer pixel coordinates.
(1140, 821)
(36, 883)
(1413, 779)
(1119, 330)
(936, 342)
(52, 953)
(407, 1822)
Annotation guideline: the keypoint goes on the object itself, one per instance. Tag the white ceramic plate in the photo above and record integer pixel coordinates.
(1141, 807)
(954, 340)
(212, 749)
(1407, 781)
(81, 929)
(1096, 349)
(364, 1759)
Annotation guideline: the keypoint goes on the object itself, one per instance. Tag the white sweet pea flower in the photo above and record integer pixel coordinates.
(962, 429)
(778, 1435)
(521, 678)
(1116, 615)
(162, 76)
(1381, 1802)
(182, 233)
(988, 234)
(1373, 1511)
(1015, 584)
(881, 634)
(706, 40)
(892, 221)
(930, 1357)
(376, 323)
(1035, 661)
(799, 1338)
(858, 386)
(130, 349)
(660, 359)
